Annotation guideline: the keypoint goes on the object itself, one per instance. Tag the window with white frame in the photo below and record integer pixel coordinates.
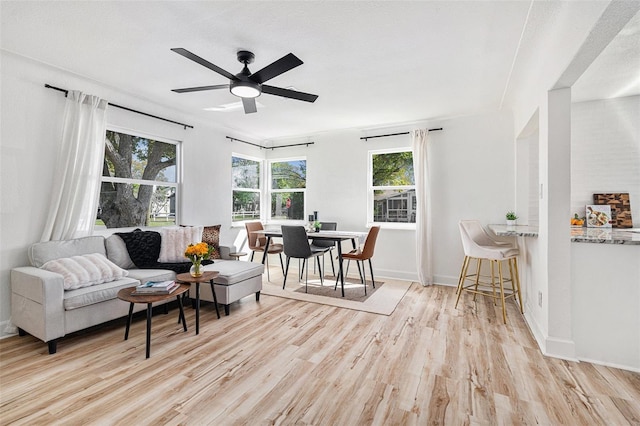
(288, 183)
(245, 187)
(139, 181)
(392, 193)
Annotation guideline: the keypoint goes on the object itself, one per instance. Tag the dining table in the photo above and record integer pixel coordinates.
(335, 236)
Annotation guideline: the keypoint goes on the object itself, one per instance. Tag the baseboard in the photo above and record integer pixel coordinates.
(549, 346)
(561, 348)
(611, 364)
(396, 275)
(446, 280)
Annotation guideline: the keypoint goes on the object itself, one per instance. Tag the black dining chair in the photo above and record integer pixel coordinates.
(296, 245)
(317, 243)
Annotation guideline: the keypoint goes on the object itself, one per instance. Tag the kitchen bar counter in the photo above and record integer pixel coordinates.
(578, 234)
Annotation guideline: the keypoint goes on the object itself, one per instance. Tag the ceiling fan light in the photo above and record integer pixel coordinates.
(245, 89)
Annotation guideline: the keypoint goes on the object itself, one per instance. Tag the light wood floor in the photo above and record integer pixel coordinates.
(283, 361)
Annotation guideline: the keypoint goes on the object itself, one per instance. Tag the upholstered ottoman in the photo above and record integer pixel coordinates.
(235, 280)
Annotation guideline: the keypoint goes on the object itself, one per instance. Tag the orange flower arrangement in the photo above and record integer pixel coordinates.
(196, 253)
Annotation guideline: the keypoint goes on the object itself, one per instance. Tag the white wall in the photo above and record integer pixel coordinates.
(472, 169)
(605, 151)
(31, 117)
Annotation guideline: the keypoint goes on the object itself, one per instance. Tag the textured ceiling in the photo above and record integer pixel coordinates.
(372, 63)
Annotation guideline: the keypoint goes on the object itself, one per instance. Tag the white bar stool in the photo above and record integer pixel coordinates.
(478, 245)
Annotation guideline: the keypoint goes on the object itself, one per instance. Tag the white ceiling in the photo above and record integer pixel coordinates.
(372, 63)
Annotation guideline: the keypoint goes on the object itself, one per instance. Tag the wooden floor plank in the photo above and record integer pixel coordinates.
(282, 361)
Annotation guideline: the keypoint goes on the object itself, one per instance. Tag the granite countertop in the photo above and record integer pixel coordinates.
(514, 230)
(580, 234)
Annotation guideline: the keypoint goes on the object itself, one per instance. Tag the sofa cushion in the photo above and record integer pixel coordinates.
(85, 270)
(85, 296)
(211, 236)
(41, 253)
(143, 247)
(175, 240)
(117, 252)
(233, 271)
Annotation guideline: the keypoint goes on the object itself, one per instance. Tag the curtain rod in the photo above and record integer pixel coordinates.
(395, 134)
(66, 92)
(270, 147)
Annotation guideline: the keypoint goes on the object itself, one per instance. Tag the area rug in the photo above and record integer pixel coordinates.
(353, 289)
(383, 300)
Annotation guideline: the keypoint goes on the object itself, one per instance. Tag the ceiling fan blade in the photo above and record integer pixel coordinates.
(249, 105)
(201, 88)
(287, 93)
(204, 62)
(276, 68)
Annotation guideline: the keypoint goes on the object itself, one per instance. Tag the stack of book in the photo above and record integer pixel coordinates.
(156, 287)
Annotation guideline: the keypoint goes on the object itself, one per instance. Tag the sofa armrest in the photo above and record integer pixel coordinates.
(225, 250)
(37, 304)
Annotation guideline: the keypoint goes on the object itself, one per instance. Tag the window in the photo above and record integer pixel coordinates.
(139, 182)
(288, 185)
(392, 193)
(245, 183)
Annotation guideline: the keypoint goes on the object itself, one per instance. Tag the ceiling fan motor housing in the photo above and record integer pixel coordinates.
(244, 87)
(245, 57)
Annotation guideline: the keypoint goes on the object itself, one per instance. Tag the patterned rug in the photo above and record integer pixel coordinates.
(353, 288)
(381, 300)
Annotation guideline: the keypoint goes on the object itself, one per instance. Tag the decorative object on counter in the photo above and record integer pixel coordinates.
(511, 218)
(316, 226)
(620, 208)
(598, 216)
(196, 253)
(577, 221)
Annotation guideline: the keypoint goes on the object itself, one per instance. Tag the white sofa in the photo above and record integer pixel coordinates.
(42, 307)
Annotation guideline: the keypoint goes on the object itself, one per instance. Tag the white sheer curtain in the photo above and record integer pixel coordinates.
(76, 183)
(424, 257)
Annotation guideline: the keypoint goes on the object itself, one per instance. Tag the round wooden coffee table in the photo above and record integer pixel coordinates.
(126, 295)
(206, 276)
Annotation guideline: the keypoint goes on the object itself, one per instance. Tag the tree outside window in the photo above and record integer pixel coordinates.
(392, 191)
(245, 178)
(288, 186)
(139, 185)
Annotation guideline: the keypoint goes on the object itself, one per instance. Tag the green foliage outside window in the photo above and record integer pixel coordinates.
(132, 159)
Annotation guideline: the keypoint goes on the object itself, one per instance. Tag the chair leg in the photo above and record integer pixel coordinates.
(320, 269)
(373, 282)
(478, 268)
(504, 306)
(516, 282)
(359, 270)
(253, 253)
(364, 278)
(463, 276)
(493, 283)
(285, 273)
(333, 268)
(281, 264)
(306, 277)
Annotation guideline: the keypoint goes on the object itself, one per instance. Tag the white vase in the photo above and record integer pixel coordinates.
(511, 222)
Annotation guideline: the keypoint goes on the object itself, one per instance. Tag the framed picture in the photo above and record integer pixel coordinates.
(598, 216)
(620, 208)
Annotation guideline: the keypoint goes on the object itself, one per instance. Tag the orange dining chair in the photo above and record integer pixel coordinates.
(257, 243)
(365, 254)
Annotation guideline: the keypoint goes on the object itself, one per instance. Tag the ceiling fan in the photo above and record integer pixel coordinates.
(246, 85)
